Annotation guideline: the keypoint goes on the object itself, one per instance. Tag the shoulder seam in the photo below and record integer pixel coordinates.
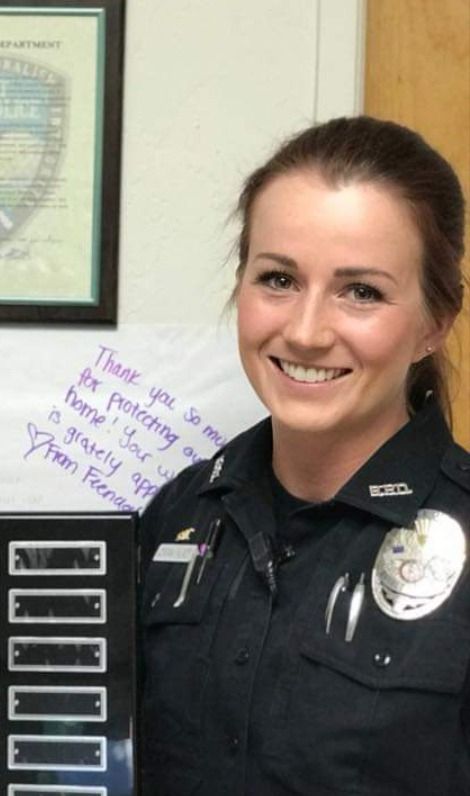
(456, 465)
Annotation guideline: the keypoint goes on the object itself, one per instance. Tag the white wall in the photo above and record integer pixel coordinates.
(211, 87)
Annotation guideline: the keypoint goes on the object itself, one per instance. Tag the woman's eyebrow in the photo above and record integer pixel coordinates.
(357, 271)
(281, 259)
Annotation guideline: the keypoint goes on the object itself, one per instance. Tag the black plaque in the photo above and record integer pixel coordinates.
(68, 668)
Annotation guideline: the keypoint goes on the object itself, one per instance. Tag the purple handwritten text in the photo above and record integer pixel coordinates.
(119, 403)
(89, 413)
(106, 362)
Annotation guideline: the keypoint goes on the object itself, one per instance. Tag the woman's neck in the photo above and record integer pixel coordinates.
(314, 467)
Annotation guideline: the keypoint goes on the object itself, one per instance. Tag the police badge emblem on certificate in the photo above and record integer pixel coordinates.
(416, 568)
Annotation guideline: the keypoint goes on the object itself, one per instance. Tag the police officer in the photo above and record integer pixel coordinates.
(306, 603)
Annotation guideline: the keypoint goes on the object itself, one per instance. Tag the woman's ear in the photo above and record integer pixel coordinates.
(434, 336)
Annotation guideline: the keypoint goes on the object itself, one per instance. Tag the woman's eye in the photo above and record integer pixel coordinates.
(364, 294)
(276, 279)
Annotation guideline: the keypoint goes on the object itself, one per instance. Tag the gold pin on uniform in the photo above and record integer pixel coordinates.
(185, 535)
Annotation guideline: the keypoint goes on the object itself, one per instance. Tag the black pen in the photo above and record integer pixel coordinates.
(207, 549)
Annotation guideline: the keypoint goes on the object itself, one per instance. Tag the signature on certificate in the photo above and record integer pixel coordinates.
(23, 249)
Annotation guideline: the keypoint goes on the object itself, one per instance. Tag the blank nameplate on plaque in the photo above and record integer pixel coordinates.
(57, 606)
(54, 703)
(57, 558)
(55, 790)
(51, 654)
(56, 753)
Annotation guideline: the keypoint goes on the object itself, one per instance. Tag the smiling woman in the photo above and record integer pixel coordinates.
(319, 641)
(331, 316)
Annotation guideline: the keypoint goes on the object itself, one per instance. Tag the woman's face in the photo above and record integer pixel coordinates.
(330, 308)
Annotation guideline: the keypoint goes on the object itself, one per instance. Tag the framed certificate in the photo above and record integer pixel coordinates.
(60, 139)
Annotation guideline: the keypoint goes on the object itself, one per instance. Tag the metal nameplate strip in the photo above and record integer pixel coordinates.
(56, 654)
(175, 553)
(56, 753)
(57, 606)
(55, 790)
(74, 557)
(57, 703)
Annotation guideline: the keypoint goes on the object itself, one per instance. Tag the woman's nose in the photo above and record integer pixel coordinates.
(310, 324)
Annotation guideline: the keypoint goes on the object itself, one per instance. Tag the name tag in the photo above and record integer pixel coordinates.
(172, 553)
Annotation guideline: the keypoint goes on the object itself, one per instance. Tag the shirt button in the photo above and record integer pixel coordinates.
(242, 656)
(382, 659)
(234, 745)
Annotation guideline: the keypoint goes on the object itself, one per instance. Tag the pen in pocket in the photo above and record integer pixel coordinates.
(208, 547)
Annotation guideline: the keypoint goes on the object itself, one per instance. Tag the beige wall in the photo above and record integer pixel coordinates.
(210, 90)
(418, 73)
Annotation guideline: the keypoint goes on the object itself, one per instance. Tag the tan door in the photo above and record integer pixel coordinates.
(418, 73)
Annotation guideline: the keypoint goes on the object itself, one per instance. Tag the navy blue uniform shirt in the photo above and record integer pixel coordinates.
(245, 693)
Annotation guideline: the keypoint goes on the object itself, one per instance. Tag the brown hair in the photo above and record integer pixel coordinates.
(363, 149)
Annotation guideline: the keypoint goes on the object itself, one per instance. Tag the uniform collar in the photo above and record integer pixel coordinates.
(393, 484)
(244, 461)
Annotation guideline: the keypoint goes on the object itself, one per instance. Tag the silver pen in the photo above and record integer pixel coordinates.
(340, 586)
(355, 608)
(187, 577)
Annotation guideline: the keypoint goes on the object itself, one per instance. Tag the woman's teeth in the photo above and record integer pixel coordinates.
(311, 375)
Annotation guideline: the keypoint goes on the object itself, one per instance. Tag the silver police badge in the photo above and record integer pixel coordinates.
(417, 568)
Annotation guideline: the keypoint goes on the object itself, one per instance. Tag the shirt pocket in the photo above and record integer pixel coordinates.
(163, 587)
(369, 715)
(176, 643)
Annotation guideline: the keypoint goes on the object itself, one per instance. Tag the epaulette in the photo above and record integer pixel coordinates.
(456, 465)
